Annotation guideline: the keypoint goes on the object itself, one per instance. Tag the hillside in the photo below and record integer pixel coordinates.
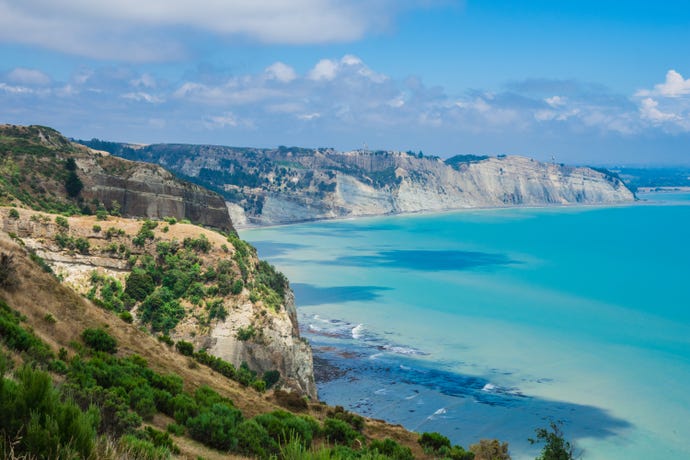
(139, 388)
(44, 171)
(283, 185)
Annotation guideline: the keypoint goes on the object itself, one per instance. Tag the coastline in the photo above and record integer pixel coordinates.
(383, 386)
(436, 212)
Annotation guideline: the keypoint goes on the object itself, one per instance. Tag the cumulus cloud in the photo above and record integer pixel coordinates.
(667, 105)
(281, 72)
(325, 69)
(674, 86)
(133, 30)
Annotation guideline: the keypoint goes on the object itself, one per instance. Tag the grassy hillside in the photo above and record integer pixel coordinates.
(139, 381)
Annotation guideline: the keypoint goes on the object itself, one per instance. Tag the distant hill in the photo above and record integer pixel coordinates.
(291, 184)
(654, 177)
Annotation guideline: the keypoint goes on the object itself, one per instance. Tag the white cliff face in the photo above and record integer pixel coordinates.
(274, 346)
(431, 185)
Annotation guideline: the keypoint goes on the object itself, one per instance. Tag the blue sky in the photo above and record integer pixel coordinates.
(598, 82)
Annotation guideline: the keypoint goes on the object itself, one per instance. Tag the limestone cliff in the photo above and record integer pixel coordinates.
(271, 186)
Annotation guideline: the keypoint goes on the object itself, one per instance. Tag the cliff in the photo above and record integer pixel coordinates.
(39, 163)
(191, 272)
(272, 186)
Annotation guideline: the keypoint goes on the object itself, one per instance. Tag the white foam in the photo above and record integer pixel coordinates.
(489, 387)
(357, 331)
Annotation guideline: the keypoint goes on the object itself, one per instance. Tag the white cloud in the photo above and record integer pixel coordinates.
(649, 110)
(281, 72)
(29, 77)
(674, 86)
(221, 121)
(555, 101)
(135, 30)
(141, 96)
(325, 69)
(145, 81)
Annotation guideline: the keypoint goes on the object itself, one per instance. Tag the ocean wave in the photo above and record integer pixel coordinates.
(358, 331)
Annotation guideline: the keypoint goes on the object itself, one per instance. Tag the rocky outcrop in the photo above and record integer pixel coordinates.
(147, 190)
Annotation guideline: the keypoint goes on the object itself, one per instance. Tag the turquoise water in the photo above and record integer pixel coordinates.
(490, 323)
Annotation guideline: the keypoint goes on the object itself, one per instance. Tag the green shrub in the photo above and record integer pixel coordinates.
(339, 432)
(216, 426)
(99, 340)
(142, 449)
(246, 333)
(433, 441)
(177, 430)
(391, 449)
(14, 214)
(253, 440)
(61, 222)
(490, 449)
(96, 228)
(126, 317)
(44, 426)
(271, 378)
(139, 285)
(185, 348)
(237, 287)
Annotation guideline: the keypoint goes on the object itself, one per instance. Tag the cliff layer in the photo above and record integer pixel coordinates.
(271, 186)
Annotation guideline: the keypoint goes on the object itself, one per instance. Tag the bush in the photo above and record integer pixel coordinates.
(99, 340)
(139, 285)
(433, 441)
(61, 222)
(271, 378)
(246, 333)
(339, 432)
(44, 426)
(185, 348)
(177, 430)
(14, 214)
(391, 449)
(253, 440)
(126, 317)
(216, 426)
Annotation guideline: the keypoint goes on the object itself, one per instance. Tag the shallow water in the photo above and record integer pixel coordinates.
(491, 323)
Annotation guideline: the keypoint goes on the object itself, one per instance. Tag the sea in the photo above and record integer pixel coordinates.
(493, 323)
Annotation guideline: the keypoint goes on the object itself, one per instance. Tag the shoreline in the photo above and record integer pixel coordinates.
(433, 212)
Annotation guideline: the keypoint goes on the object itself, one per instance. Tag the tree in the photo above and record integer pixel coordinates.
(73, 184)
(555, 446)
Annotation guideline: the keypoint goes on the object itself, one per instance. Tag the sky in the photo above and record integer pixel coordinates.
(586, 82)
